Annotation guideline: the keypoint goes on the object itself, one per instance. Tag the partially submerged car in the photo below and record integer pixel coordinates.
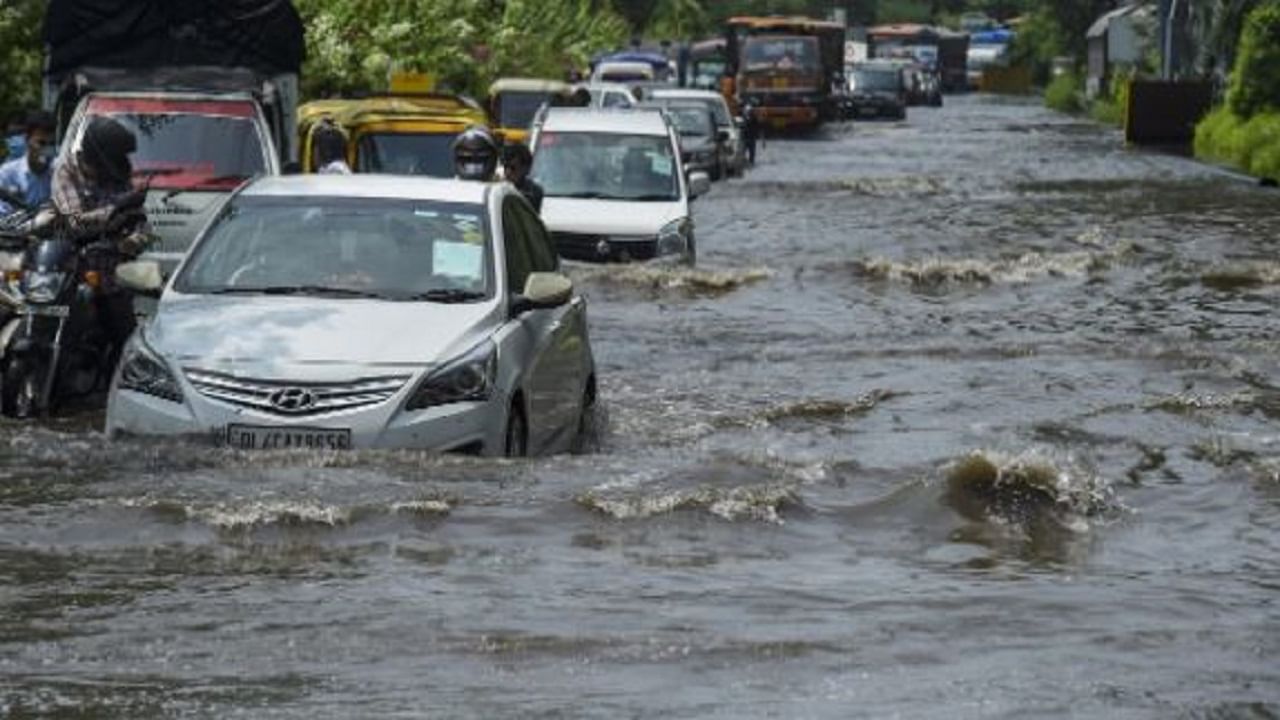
(703, 146)
(878, 90)
(334, 311)
(616, 187)
(736, 162)
(395, 134)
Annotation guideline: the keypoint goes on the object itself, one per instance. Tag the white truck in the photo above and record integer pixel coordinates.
(210, 90)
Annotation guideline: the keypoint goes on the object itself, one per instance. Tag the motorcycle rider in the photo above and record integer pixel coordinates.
(29, 175)
(93, 195)
(475, 154)
(516, 163)
(93, 191)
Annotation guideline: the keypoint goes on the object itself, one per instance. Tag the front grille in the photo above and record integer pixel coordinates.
(320, 398)
(577, 246)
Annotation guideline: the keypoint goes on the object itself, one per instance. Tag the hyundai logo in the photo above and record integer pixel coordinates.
(292, 400)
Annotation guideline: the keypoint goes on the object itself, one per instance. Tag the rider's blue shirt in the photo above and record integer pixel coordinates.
(16, 177)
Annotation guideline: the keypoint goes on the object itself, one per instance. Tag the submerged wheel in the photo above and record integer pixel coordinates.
(22, 388)
(517, 435)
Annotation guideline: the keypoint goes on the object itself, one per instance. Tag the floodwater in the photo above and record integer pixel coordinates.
(972, 416)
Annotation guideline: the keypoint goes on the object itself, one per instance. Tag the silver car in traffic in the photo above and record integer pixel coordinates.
(333, 312)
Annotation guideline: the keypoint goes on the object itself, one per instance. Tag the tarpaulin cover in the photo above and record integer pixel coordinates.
(264, 35)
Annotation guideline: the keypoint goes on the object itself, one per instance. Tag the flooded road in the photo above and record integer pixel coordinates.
(972, 416)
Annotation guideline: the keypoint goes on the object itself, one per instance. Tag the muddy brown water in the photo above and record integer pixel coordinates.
(972, 416)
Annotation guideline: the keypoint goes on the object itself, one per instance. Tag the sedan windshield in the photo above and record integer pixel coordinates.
(191, 145)
(344, 247)
(873, 80)
(406, 154)
(606, 165)
(692, 121)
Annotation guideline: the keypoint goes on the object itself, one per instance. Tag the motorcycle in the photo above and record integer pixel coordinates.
(59, 344)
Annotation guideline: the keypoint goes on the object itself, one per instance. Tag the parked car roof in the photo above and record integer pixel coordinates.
(370, 186)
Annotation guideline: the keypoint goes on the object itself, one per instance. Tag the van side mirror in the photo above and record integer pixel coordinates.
(142, 277)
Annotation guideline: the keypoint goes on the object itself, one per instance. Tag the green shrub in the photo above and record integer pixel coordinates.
(1064, 93)
(1255, 79)
(1251, 145)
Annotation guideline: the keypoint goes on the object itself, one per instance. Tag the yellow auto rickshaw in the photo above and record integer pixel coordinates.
(397, 134)
(514, 102)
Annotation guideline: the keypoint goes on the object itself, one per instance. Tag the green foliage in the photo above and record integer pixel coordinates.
(1252, 145)
(352, 45)
(1113, 107)
(19, 55)
(1255, 80)
(1064, 93)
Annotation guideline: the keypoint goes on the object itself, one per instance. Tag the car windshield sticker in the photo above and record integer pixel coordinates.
(426, 213)
(468, 226)
(661, 164)
(458, 259)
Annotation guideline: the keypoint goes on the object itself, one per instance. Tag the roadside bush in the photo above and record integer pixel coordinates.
(1064, 93)
(1251, 145)
(1112, 107)
(1255, 79)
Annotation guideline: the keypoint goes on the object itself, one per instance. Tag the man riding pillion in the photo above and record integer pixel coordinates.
(517, 161)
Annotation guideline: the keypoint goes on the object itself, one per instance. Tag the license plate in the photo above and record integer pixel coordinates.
(59, 311)
(250, 437)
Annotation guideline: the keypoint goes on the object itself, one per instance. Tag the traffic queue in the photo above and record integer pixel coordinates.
(358, 272)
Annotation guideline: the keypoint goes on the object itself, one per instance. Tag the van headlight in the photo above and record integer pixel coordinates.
(673, 238)
(143, 371)
(469, 378)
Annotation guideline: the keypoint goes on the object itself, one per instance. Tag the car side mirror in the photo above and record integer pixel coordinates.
(142, 277)
(543, 291)
(722, 136)
(699, 184)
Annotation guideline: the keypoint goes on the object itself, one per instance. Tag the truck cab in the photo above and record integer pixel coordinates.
(194, 149)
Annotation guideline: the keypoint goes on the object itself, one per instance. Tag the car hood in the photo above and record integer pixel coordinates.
(609, 217)
(269, 336)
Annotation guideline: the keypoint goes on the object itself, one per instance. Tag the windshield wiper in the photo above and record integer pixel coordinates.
(653, 197)
(298, 290)
(585, 195)
(447, 296)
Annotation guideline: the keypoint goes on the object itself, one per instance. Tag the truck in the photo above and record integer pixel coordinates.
(941, 50)
(209, 89)
(789, 69)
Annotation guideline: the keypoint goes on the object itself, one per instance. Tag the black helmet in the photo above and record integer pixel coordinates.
(475, 154)
(106, 148)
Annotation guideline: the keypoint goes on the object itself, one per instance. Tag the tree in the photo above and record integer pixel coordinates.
(20, 22)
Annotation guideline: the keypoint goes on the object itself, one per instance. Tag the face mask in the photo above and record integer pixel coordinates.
(471, 169)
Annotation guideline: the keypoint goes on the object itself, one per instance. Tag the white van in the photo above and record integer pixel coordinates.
(615, 184)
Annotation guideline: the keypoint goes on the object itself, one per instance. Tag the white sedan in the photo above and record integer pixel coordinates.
(333, 312)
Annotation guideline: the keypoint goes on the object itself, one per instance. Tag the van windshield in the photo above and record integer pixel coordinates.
(610, 166)
(517, 109)
(192, 145)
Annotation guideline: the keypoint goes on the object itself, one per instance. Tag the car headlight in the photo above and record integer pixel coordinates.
(469, 378)
(673, 238)
(142, 370)
(42, 286)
